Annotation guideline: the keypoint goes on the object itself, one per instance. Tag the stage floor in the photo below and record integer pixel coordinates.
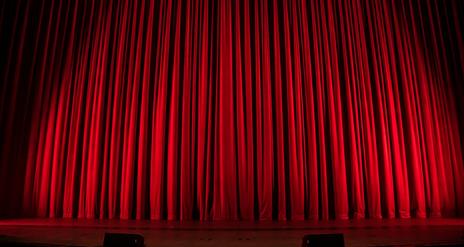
(83, 232)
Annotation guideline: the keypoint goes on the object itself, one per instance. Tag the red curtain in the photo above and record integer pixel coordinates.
(216, 110)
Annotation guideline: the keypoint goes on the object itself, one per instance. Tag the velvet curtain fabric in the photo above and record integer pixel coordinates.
(228, 110)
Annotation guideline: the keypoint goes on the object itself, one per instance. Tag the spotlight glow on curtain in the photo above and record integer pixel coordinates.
(199, 109)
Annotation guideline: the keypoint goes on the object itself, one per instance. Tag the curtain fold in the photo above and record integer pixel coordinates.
(231, 110)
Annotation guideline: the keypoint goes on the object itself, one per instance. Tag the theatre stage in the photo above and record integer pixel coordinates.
(82, 232)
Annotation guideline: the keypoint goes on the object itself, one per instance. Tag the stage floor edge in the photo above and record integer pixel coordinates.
(90, 232)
